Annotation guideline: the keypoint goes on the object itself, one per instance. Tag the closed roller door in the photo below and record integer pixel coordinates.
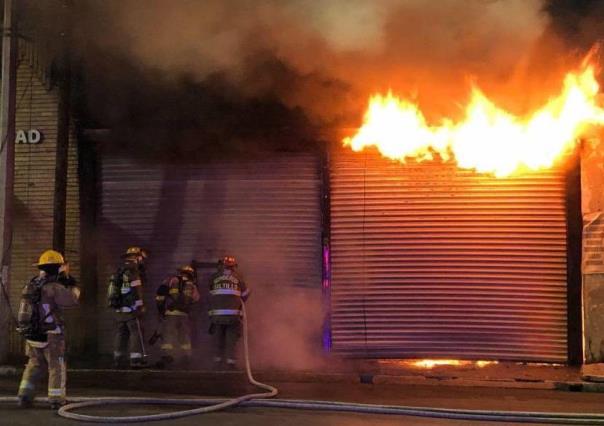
(265, 212)
(432, 261)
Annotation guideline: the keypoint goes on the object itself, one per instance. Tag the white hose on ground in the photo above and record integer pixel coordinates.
(442, 413)
(66, 411)
(258, 400)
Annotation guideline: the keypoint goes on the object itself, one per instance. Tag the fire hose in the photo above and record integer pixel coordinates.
(260, 400)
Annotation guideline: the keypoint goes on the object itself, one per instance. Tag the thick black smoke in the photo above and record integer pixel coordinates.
(183, 76)
(579, 23)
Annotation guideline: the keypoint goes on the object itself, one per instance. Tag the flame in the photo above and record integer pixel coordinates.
(431, 363)
(488, 139)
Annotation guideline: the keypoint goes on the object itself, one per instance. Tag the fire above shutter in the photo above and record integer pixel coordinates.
(430, 261)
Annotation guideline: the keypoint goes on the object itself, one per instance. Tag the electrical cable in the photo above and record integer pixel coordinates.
(12, 315)
(3, 284)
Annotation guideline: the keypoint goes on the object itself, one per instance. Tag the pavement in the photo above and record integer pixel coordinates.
(466, 397)
(498, 386)
(496, 375)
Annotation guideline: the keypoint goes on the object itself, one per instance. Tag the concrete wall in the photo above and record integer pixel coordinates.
(592, 207)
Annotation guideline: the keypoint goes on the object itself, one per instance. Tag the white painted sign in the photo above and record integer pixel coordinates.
(32, 136)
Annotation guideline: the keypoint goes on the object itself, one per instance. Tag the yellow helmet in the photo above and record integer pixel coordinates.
(50, 257)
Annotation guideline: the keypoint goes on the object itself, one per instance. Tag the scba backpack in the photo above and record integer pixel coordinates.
(120, 293)
(31, 320)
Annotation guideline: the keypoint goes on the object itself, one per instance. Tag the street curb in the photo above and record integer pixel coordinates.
(190, 381)
(456, 381)
(9, 371)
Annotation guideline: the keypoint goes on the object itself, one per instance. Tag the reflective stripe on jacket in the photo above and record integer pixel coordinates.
(219, 312)
(226, 292)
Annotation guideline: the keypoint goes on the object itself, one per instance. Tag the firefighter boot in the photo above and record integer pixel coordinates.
(119, 363)
(231, 364)
(184, 362)
(25, 401)
(55, 405)
(138, 364)
(164, 362)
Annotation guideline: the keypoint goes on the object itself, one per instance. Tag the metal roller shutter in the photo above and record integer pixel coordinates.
(429, 261)
(265, 212)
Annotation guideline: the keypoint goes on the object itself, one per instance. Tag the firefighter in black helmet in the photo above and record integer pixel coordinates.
(227, 292)
(40, 322)
(175, 299)
(125, 298)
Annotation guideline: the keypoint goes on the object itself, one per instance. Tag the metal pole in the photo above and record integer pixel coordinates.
(140, 336)
(60, 197)
(7, 159)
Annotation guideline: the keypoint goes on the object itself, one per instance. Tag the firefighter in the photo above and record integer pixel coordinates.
(125, 298)
(227, 292)
(40, 322)
(175, 299)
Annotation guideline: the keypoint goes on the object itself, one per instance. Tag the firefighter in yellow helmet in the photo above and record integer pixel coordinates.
(227, 292)
(175, 299)
(125, 298)
(40, 322)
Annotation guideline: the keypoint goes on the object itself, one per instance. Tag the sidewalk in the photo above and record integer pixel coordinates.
(469, 398)
(376, 372)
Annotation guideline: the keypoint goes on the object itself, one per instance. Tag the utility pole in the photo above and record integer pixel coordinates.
(60, 197)
(7, 163)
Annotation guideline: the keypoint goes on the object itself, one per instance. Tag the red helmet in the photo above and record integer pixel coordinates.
(229, 261)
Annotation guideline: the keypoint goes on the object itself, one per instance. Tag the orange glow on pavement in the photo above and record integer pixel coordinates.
(431, 363)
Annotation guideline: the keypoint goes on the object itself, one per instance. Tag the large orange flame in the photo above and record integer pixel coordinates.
(488, 139)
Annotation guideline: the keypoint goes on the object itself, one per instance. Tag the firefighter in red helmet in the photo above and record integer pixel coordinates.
(227, 292)
(175, 299)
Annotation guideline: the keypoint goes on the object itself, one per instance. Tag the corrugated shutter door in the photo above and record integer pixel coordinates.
(429, 261)
(265, 212)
